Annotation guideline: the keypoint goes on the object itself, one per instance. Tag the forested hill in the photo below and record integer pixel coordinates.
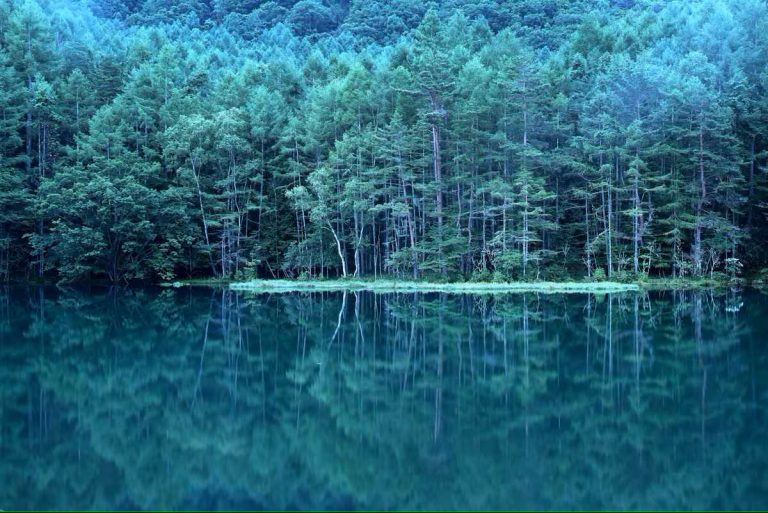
(365, 21)
(483, 139)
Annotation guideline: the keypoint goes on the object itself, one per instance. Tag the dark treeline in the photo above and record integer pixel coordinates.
(484, 139)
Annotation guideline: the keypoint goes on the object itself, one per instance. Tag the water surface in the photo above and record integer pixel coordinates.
(210, 399)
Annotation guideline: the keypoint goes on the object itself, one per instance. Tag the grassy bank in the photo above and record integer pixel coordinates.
(265, 286)
(688, 283)
(198, 282)
(390, 285)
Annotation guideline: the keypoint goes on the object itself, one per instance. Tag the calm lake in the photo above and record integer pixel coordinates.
(202, 398)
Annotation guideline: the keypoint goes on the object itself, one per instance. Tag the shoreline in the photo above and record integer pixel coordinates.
(384, 285)
(394, 286)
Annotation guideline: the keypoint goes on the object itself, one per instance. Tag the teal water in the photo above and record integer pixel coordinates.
(208, 399)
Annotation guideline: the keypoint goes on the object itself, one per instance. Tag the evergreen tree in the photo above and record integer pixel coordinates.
(447, 139)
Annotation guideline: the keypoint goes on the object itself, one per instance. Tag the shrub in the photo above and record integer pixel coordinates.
(499, 277)
(481, 276)
(623, 277)
(718, 276)
(733, 267)
(555, 272)
(507, 263)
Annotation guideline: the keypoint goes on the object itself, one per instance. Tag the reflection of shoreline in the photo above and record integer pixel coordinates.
(293, 401)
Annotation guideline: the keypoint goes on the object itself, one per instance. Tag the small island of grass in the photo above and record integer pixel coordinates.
(385, 286)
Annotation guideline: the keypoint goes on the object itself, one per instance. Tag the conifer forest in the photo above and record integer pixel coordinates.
(488, 140)
(396, 255)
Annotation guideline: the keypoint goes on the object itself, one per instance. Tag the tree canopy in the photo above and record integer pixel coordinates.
(485, 139)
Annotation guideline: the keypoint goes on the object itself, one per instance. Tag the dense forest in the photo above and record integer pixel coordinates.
(477, 139)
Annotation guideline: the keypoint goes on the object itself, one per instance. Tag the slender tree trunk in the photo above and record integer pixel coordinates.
(411, 225)
(605, 194)
(340, 250)
(28, 126)
(202, 215)
(588, 247)
(439, 191)
(525, 233)
(359, 230)
(751, 197)
(504, 225)
(697, 250)
(635, 225)
(261, 193)
(437, 166)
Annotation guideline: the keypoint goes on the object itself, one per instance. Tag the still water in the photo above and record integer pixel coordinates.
(208, 399)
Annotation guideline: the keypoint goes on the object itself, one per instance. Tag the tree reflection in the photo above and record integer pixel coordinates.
(203, 398)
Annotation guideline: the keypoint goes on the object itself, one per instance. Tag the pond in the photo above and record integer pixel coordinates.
(205, 398)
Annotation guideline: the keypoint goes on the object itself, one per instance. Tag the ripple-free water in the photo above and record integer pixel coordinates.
(203, 398)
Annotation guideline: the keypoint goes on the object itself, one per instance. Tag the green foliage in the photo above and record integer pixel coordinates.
(498, 141)
(556, 273)
(598, 274)
(481, 276)
(733, 267)
(508, 263)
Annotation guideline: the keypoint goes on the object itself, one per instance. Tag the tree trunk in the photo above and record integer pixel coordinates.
(751, 197)
(202, 214)
(411, 228)
(437, 165)
(28, 127)
(635, 225)
(586, 230)
(525, 233)
(359, 230)
(697, 250)
(340, 250)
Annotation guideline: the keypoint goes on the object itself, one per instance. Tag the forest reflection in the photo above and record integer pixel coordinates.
(207, 398)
